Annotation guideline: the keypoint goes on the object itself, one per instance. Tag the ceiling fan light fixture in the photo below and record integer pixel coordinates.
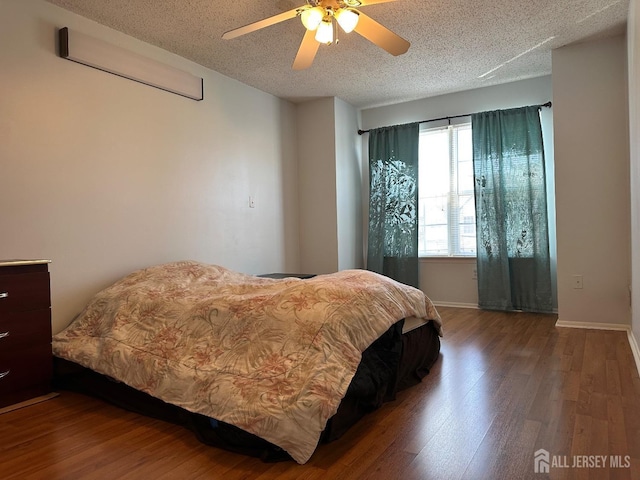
(347, 19)
(312, 17)
(318, 17)
(324, 33)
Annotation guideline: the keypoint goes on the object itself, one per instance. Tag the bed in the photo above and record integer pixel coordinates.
(265, 366)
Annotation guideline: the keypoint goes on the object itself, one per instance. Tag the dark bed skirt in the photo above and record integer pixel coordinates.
(392, 363)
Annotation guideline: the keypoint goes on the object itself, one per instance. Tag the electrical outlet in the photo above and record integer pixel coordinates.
(474, 274)
(252, 201)
(577, 281)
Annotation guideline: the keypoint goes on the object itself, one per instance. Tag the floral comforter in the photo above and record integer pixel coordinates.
(273, 357)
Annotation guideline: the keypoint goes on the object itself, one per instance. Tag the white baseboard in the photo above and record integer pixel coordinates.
(455, 304)
(633, 343)
(594, 326)
(634, 348)
(472, 305)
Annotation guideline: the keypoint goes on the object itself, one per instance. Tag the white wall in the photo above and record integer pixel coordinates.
(592, 180)
(633, 47)
(317, 185)
(103, 175)
(449, 281)
(330, 184)
(508, 95)
(348, 186)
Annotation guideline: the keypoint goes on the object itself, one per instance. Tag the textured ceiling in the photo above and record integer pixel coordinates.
(455, 44)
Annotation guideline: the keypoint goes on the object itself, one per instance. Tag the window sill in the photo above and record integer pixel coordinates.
(447, 259)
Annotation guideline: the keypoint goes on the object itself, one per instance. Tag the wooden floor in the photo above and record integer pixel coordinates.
(505, 386)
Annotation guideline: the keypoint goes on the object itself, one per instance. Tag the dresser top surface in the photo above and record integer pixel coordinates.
(17, 262)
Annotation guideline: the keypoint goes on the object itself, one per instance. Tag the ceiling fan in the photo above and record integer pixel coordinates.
(318, 18)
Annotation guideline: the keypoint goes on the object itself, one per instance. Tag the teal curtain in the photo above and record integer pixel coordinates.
(511, 211)
(393, 202)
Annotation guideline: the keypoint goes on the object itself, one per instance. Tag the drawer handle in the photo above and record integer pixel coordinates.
(4, 374)
(3, 335)
(4, 294)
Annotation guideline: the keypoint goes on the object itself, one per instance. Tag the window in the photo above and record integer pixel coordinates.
(446, 206)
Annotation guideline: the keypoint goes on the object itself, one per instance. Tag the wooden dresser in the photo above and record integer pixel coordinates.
(25, 330)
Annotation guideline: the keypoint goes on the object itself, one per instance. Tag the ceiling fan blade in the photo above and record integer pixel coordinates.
(364, 3)
(381, 35)
(267, 22)
(307, 51)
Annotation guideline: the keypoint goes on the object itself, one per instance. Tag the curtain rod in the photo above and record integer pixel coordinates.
(360, 132)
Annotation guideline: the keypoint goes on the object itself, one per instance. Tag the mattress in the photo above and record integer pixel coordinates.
(411, 323)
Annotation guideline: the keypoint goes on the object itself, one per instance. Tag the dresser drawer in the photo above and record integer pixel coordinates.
(19, 330)
(25, 373)
(28, 291)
